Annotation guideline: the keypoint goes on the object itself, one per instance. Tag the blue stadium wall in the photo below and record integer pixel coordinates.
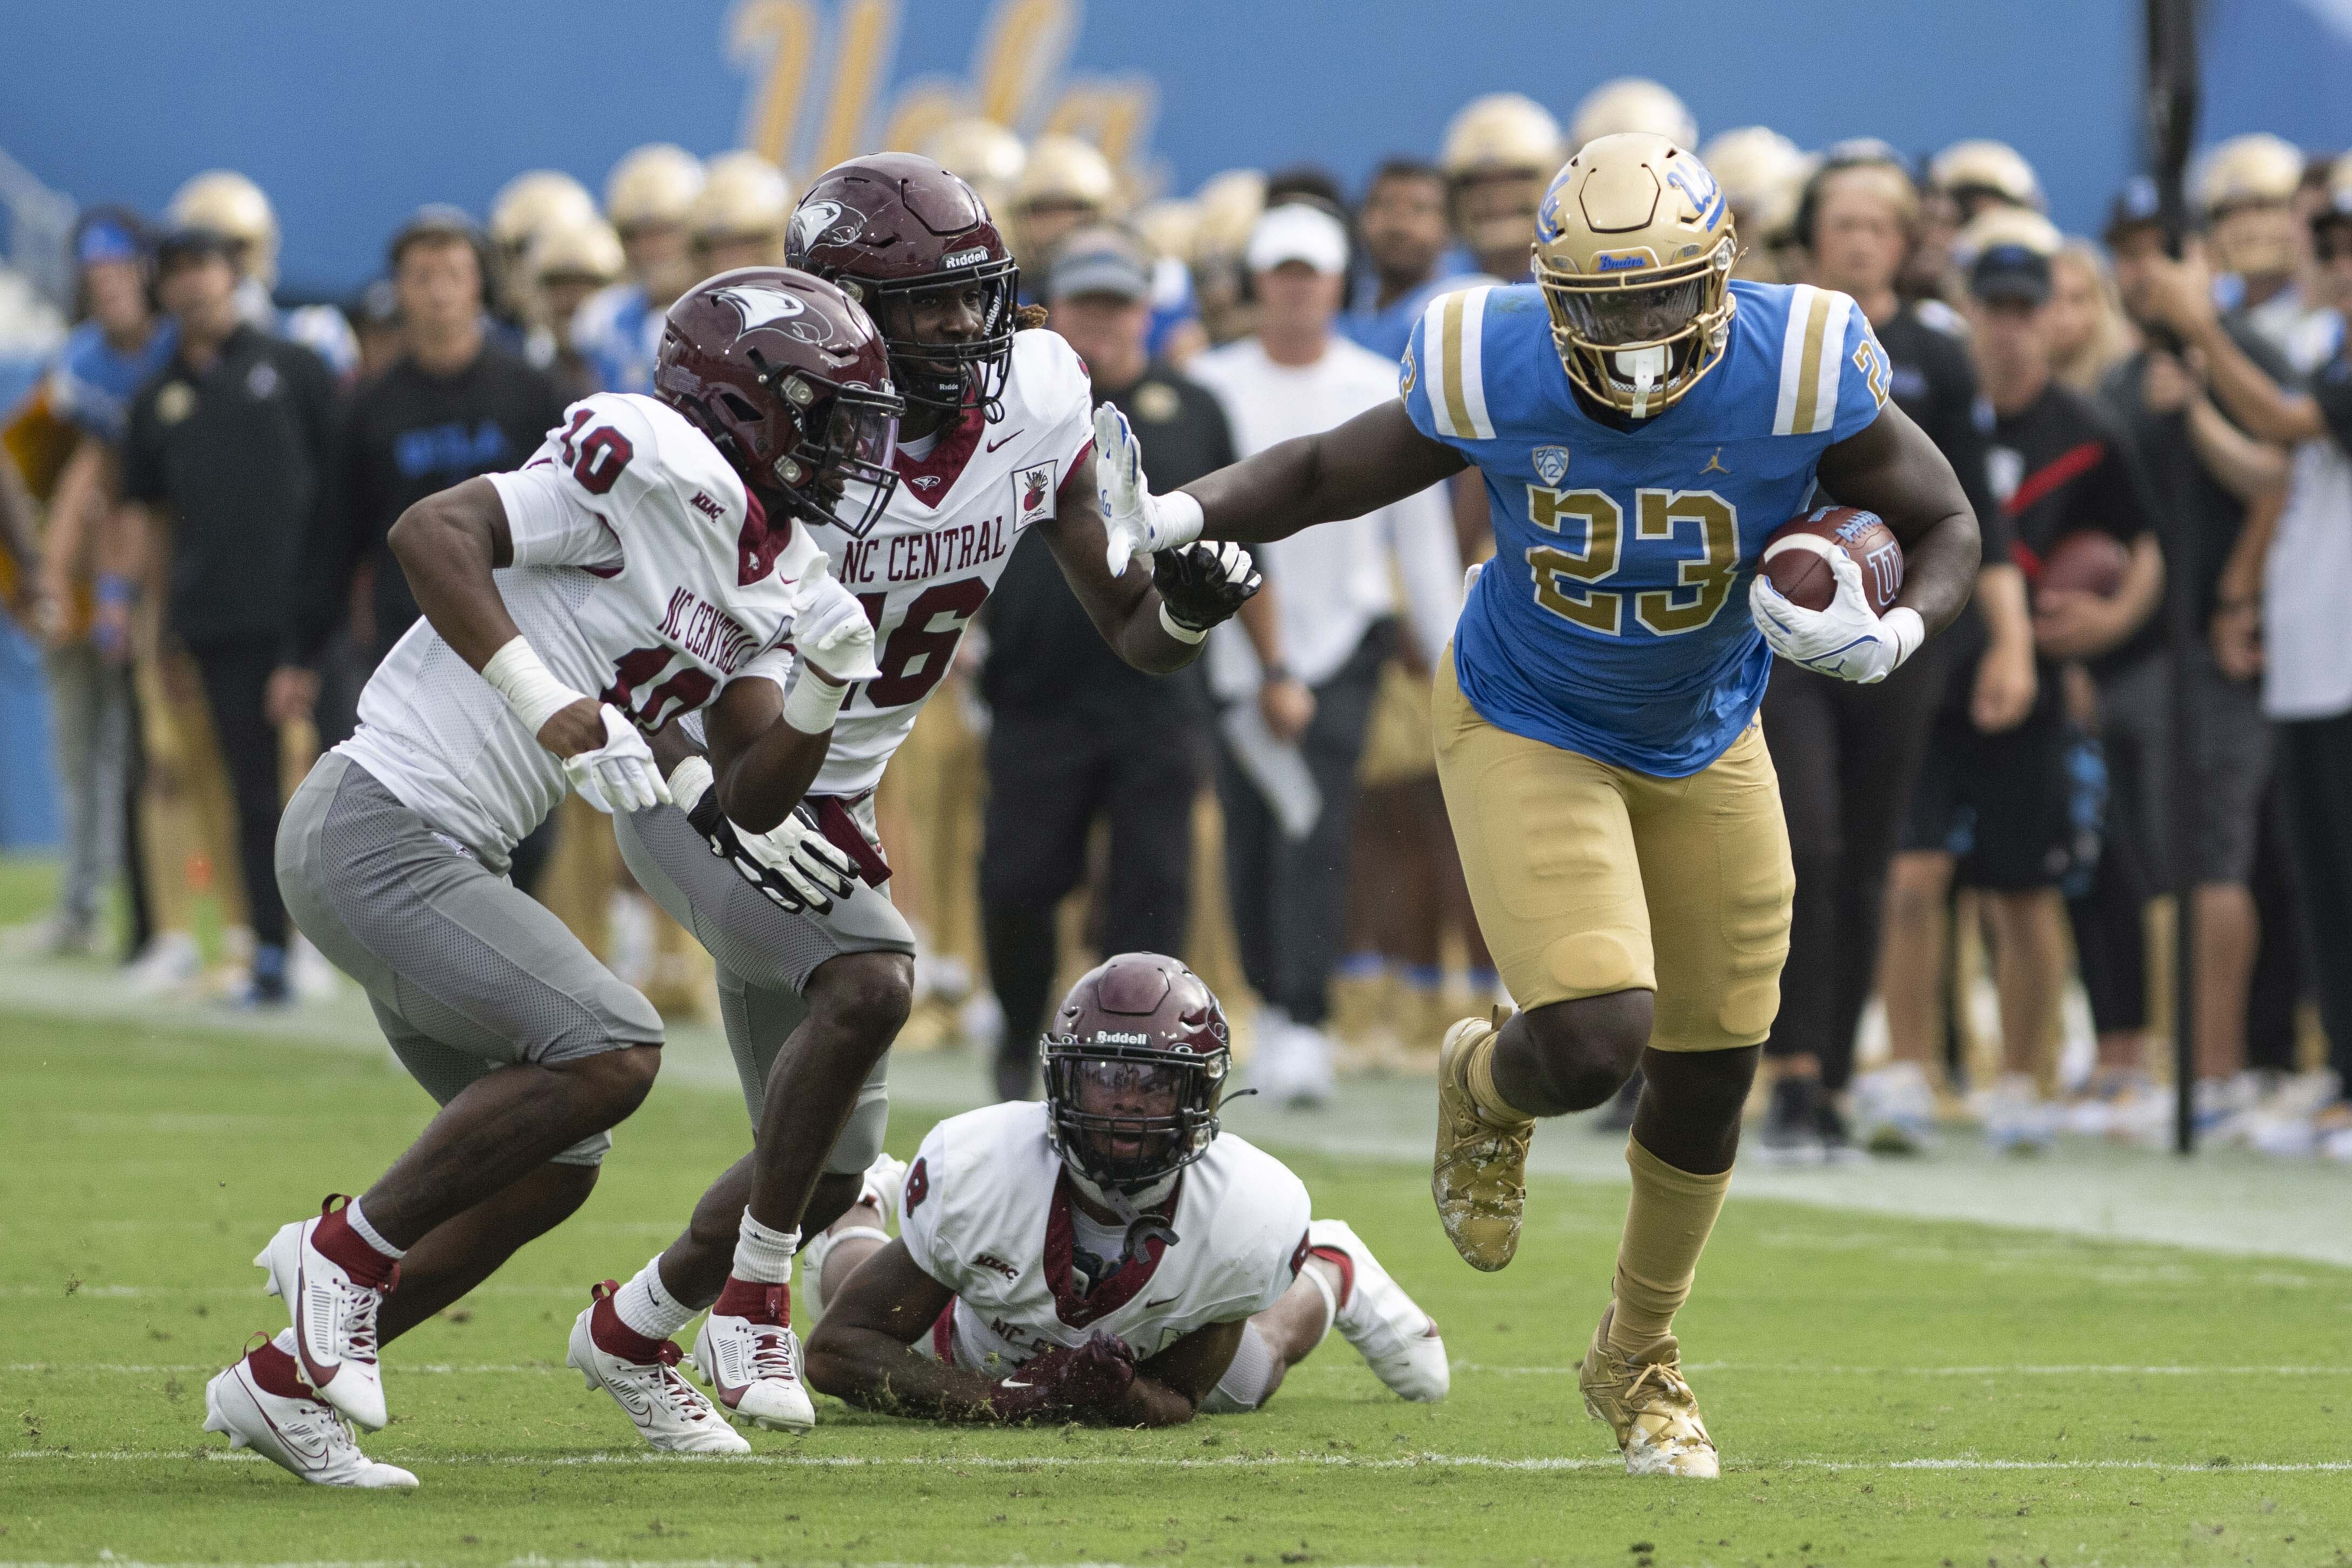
(351, 115)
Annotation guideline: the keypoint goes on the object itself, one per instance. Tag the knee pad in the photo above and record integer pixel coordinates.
(1248, 1381)
(813, 1258)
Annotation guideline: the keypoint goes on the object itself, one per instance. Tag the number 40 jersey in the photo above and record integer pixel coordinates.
(927, 565)
(1613, 619)
(644, 574)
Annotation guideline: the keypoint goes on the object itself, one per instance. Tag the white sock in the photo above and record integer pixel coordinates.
(366, 1232)
(285, 1340)
(646, 1304)
(1314, 1276)
(764, 1256)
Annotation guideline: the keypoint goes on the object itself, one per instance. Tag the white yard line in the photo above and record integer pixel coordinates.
(1221, 1461)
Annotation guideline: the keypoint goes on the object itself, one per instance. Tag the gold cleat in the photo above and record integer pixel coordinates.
(1648, 1405)
(1480, 1175)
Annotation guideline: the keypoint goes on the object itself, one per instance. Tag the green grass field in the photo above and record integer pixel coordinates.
(1884, 1391)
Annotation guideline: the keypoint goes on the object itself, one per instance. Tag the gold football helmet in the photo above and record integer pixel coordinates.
(228, 204)
(653, 187)
(1763, 175)
(587, 251)
(1975, 172)
(989, 158)
(2004, 225)
(1633, 103)
(1171, 227)
(744, 196)
(1064, 171)
(1634, 244)
(1499, 152)
(2245, 171)
(540, 199)
(1231, 204)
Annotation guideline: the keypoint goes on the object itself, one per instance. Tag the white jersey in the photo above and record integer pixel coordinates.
(986, 1211)
(927, 565)
(643, 575)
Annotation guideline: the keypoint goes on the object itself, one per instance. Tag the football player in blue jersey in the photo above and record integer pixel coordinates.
(1641, 423)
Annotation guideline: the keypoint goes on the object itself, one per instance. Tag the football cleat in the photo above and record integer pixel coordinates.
(1479, 1176)
(642, 1377)
(260, 1404)
(334, 1308)
(750, 1356)
(1397, 1339)
(1648, 1405)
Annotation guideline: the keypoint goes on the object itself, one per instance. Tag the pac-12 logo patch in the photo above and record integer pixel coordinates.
(1551, 464)
(1032, 494)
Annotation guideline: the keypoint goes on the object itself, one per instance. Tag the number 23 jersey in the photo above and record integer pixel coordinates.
(644, 575)
(924, 568)
(1613, 619)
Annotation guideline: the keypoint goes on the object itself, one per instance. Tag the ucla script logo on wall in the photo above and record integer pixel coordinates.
(808, 122)
(1551, 464)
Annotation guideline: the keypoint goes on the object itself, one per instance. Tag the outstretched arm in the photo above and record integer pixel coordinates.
(1125, 609)
(1376, 459)
(1891, 468)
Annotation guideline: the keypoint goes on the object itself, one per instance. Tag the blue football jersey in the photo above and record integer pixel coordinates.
(619, 333)
(91, 382)
(1613, 619)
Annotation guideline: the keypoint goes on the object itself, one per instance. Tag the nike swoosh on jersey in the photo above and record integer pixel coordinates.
(1161, 1303)
(992, 446)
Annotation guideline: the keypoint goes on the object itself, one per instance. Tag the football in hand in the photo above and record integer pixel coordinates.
(1797, 557)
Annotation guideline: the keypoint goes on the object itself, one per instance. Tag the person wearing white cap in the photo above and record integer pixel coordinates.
(1296, 674)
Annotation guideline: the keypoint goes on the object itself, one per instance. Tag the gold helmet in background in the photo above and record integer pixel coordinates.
(1978, 170)
(985, 154)
(2005, 226)
(1763, 175)
(1064, 171)
(1633, 103)
(538, 200)
(2245, 171)
(744, 196)
(1634, 244)
(652, 186)
(1231, 204)
(1171, 227)
(1498, 154)
(229, 204)
(587, 251)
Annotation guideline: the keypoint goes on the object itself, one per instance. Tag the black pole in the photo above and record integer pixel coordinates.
(2172, 128)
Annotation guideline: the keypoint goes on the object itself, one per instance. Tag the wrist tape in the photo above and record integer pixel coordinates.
(516, 673)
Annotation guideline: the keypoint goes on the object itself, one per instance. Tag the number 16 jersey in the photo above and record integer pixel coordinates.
(1613, 619)
(925, 567)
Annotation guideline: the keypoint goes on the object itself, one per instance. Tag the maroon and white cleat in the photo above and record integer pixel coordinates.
(749, 1354)
(261, 1405)
(641, 1374)
(333, 1281)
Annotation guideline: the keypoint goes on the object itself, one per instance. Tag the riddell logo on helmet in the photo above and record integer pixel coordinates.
(965, 257)
(1110, 1038)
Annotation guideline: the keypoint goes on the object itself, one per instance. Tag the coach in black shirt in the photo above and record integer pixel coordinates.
(456, 404)
(227, 458)
(1078, 735)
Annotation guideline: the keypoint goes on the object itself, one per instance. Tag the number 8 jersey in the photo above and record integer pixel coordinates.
(1613, 619)
(924, 569)
(644, 576)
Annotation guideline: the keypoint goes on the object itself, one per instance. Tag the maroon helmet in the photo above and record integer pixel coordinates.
(1134, 1061)
(890, 225)
(790, 378)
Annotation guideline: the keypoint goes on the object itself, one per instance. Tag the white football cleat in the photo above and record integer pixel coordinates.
(334, 1319)
(749, 1354)
(297, 1431)
(1397, 1339)
(670, 1413)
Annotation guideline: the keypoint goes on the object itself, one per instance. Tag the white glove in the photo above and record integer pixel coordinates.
(620, 775)
(803, 871)
(1136, 522)
(1845, 640)
(829, 626)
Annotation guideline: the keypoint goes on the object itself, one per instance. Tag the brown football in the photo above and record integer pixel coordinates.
(2085, 561)
(1797, 561)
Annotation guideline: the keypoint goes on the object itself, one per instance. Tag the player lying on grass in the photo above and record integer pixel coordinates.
(650, 556)
(816, 966)
(1107, 1255)
(1642, 423)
